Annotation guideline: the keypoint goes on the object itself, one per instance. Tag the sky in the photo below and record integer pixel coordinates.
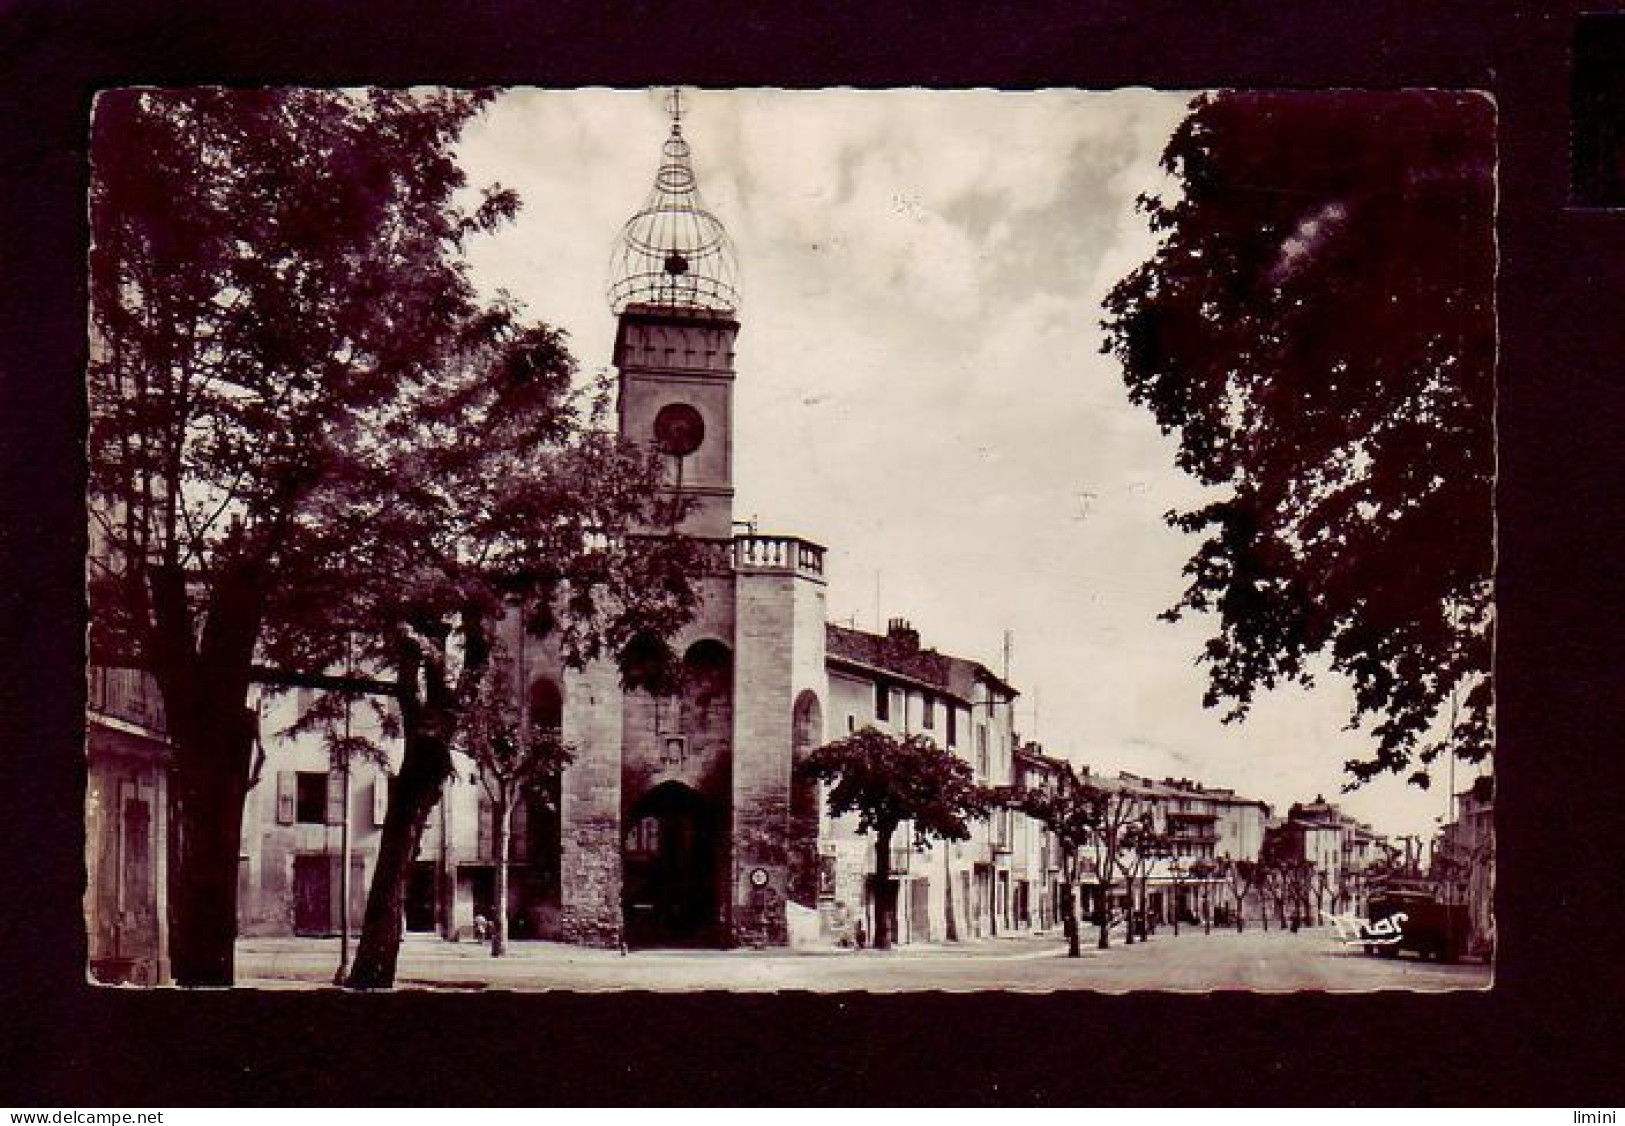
(921, 389)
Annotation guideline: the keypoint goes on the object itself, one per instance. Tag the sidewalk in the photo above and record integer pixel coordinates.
(428, 959)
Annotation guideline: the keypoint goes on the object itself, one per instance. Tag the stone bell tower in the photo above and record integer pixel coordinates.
(673, 287)
(677, 813)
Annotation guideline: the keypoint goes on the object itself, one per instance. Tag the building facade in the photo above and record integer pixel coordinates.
(126, 828)
(1464, 862)
(947, 890)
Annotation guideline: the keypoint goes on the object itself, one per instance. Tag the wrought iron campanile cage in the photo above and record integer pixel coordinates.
(674, 252)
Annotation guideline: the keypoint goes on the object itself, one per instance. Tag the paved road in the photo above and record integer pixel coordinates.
(1192, 962)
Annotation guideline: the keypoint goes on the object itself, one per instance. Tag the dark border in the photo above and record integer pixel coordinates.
(1542, 1035)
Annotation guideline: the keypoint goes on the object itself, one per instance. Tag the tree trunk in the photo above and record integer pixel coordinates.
(205, 692)
(429, 724)
(501, 820)
(883, 909)
(205, 835)
(413, 794)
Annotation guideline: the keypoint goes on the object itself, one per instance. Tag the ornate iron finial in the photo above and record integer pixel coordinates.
(674, 252)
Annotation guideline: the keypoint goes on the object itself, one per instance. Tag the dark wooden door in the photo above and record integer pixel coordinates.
(312, 895)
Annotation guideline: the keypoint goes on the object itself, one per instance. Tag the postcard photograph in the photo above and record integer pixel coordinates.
(836, 540)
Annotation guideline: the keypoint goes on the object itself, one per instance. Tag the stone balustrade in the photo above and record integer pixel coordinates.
(749, 552)
(778, 553)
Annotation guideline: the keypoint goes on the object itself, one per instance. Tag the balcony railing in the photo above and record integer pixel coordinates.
(761, 554)
(778, 553)
(126, 694)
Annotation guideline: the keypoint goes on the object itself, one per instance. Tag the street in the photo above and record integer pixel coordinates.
(1277, 961)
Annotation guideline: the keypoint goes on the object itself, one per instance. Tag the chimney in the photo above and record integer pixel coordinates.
(903, 635)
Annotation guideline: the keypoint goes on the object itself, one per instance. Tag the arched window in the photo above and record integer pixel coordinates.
(707, 696)
(808, 721)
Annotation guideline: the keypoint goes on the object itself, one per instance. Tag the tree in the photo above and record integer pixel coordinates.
(1117, 817)
(1071, 811)
(1282, 872)
(518, 756)
(888, 781)
(1242, 876)
(497, 486)
(1316, 326)
(1135, 858)
(269, 270)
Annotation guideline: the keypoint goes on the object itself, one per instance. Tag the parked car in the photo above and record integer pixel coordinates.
(1419, 922)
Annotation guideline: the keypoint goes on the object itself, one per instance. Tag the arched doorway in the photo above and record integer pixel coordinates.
(669, 854)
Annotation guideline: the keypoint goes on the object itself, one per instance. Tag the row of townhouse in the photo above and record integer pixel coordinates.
(1194, 831)
(1338, 852)
(995, 881)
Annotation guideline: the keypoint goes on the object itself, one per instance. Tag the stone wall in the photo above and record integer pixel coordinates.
(780, 624)
(761, 764)
(590, 809)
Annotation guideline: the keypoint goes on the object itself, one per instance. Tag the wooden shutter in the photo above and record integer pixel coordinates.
(482, 844)
(286, 783)
(335, 797)
(380, 797)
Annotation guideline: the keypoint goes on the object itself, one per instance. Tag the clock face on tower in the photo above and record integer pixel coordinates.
(679, 429)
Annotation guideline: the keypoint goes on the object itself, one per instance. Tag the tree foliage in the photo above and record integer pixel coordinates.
(270, 272)
(1316, 326)
(269, 269)
(498, 484)
(887, 782)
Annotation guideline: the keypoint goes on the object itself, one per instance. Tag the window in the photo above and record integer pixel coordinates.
(310, 798)
(953, 725)
(882, 702)
(930, 717)
(851, 724)
(981, 748)
(643, 839)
